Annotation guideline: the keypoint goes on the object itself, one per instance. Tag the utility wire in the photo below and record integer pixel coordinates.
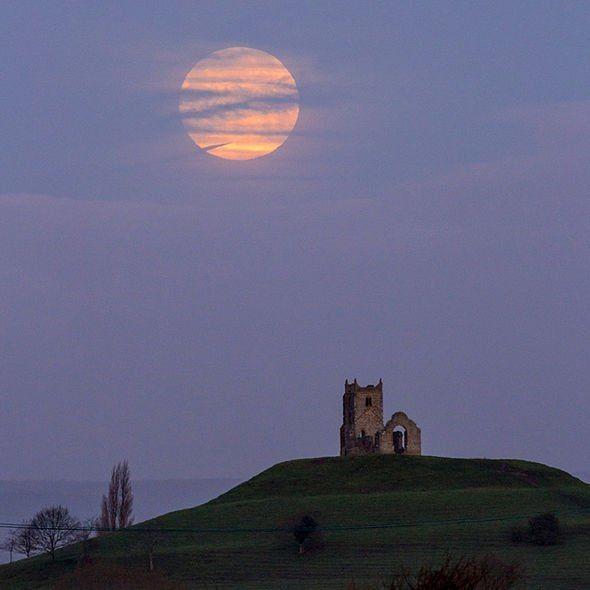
(333, 528)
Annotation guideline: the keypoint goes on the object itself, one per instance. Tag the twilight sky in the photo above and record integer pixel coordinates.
(427, 222)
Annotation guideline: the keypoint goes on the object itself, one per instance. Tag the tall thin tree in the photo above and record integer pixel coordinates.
(126, 496)
(117, 504)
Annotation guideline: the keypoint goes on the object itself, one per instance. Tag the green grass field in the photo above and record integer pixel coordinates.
(378, 513)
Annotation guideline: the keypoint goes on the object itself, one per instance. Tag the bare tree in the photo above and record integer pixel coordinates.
(117, 504)
(26, 540)
(110, 502)
(9, 544)
(54, 527)
(126, 496)
(104, 520)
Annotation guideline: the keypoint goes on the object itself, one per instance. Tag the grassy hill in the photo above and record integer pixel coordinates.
(377, 512)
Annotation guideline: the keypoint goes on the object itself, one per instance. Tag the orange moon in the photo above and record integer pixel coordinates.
(239, 103)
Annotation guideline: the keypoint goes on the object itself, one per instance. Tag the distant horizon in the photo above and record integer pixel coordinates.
(106, 480)
(583, 473)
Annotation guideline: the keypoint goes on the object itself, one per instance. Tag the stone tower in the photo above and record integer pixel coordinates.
(363, 431)
(362, 417)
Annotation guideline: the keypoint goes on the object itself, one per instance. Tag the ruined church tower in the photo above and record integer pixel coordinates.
(362, 416)
(363, 431)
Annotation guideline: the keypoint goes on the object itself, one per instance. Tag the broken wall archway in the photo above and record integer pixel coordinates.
(403, 435)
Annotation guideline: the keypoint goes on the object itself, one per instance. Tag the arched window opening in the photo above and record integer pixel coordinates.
(368, 402)
(400, 440)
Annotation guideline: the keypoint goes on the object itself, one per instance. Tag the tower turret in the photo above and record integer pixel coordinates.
(362, 418)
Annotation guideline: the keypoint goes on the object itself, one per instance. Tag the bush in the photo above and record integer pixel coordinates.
(544, 529)
(305, 531)
(465, 573)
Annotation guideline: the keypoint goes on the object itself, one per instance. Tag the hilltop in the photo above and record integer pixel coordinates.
(394, 473)
(378, 512)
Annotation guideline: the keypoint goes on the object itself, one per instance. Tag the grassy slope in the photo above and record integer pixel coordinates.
(436, 493)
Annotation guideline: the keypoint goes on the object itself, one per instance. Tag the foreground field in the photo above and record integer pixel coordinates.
(377, 513)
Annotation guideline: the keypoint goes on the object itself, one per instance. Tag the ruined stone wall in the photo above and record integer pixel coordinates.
(412, 435)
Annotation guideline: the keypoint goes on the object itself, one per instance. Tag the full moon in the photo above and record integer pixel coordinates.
(239, 103)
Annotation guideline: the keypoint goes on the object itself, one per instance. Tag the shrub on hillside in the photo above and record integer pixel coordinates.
(465, 573)
(543, 529)
(306, 531)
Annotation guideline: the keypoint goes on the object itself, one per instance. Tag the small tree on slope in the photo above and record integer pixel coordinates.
(54, 527)
(26, 542)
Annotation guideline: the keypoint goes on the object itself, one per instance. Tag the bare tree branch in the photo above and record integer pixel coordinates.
(54, 527)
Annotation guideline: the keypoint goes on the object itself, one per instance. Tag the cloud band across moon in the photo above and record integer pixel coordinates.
(239, 103)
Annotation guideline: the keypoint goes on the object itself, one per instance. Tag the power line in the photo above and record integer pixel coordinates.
(333, 528)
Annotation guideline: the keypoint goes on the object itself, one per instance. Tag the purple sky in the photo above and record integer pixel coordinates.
(427, 223)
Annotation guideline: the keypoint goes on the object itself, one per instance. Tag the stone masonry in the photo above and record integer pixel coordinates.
(363, 431)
